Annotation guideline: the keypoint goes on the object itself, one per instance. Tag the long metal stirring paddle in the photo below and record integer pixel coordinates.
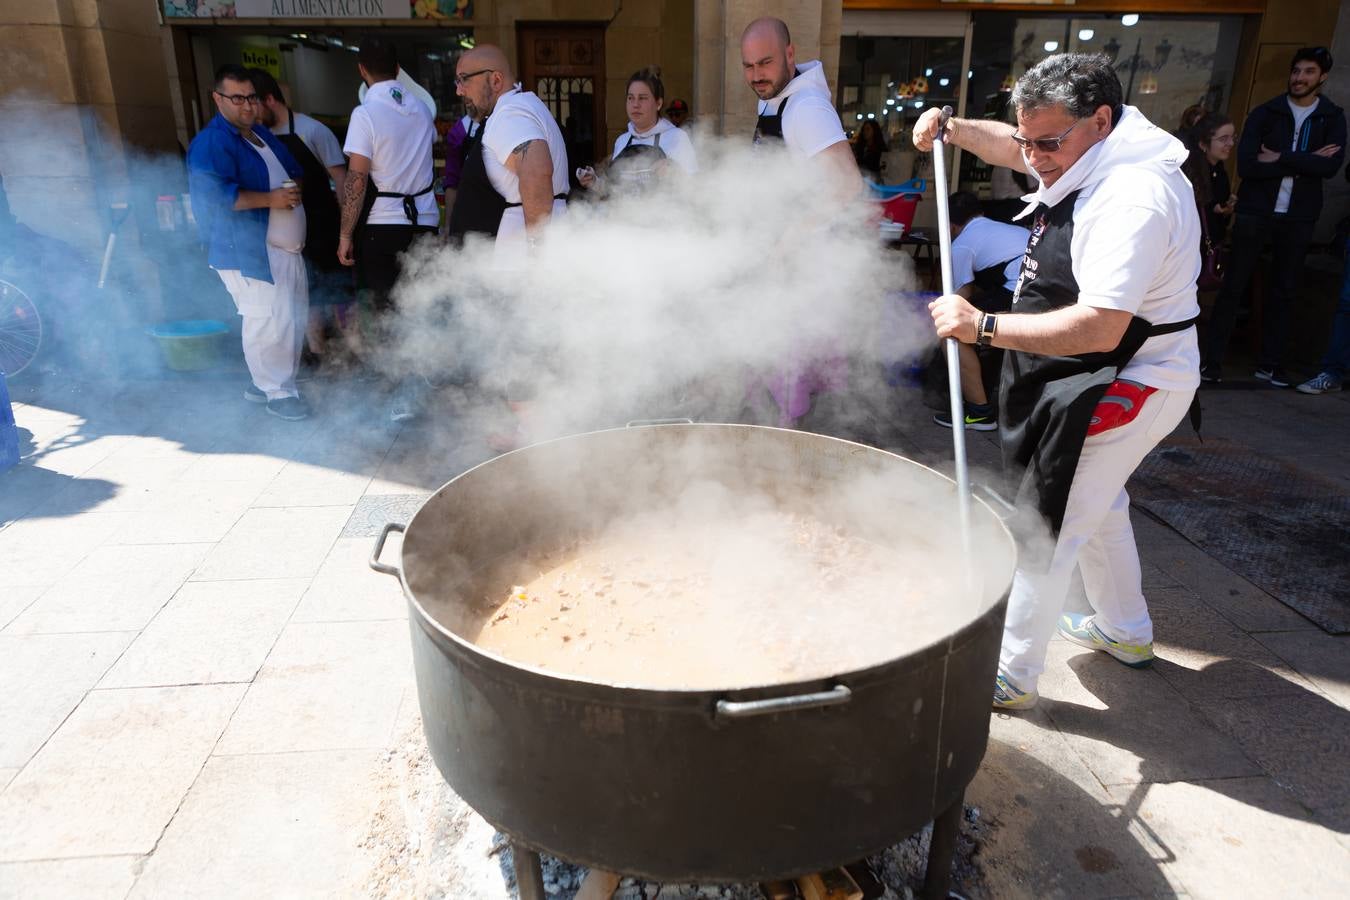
(950, 346)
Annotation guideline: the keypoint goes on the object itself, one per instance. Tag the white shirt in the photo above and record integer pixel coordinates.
(520, 116)
(1301, 114)
(317, 137)
(1136, 242)
(983, 243)
(395, 132)
(285, 227)
(810, 121)
(675, 143)
(406, 80)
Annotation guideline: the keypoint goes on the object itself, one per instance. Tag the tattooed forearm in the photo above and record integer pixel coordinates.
(354, 194)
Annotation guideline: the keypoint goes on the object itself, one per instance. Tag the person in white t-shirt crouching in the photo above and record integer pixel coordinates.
(246, 201)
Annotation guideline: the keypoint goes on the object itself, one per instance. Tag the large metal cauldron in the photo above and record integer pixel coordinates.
(700, 785)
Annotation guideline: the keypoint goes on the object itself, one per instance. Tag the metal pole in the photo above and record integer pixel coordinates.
(950, 346)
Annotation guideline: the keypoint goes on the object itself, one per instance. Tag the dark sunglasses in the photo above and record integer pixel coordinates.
(1045, 145)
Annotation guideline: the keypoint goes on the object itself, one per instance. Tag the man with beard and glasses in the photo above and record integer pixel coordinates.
(1100, 360)
(1288, 146)
(523, 153)
(388, 200)
(248, 213)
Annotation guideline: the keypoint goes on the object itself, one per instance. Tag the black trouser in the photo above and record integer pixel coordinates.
(377, 259)
(1289, 244)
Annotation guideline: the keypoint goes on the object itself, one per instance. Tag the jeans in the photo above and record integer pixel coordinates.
(1289, 245)
(1337, 359)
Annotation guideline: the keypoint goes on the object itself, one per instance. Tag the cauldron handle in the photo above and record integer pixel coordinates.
(642, 423)
(744, 709)
(385, 568)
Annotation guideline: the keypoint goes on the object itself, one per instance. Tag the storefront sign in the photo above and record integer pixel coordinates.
(264, 58)
(318, 9)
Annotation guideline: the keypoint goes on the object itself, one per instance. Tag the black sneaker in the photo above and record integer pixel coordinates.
(977, 419)
(253, 395)
(1211, 374)
(1276, 377)
(292, 409)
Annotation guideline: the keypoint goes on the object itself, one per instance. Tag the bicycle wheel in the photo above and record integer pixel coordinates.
(20, 330)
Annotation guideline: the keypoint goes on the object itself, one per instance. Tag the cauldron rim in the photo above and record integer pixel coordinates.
(564, 683)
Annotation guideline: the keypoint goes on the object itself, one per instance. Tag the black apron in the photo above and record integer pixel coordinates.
(478, 207)
(322, 216)
(991, 278)
(409, 204)
(769, 126)
(635, 166)
(1046, 402)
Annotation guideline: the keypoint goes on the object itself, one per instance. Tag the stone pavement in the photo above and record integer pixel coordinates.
(204, 691)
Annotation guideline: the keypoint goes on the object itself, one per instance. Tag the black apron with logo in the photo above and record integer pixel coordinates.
(322, 215)
(769, 126)
(1046, 402)
(478, 207)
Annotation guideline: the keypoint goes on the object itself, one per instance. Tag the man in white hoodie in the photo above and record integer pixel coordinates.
(1102, 359)
(795, 105)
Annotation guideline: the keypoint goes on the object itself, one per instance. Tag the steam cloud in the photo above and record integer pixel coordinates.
(664, 303)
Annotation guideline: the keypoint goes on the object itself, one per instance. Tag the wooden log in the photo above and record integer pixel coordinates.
(598, 885)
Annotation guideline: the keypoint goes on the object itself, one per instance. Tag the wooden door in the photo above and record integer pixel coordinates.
(565, 66)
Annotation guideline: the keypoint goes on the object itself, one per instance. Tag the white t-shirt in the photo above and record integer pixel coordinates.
(1301, 114)
(810, 121)
(520, 116)
(394, 131)
(1134, 248)
(984, 243)
(317, 137)
(285, 227)
(675, 143)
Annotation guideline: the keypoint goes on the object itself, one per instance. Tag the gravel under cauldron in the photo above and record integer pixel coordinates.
(743, 783)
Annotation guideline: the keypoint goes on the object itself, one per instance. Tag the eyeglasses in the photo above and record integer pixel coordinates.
(461, 79)
(238, 99)
(1045, 145)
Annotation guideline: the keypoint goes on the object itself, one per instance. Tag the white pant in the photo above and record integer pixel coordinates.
(511, 249)
(275, 316)
(1097, 537)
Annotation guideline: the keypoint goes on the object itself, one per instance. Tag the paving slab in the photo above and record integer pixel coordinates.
(115, 588)
(15, 598)
(1300, 741)
(189, 512)
(346, 589)
(210, 632)
(1056, 834)
(133, 479)
(45, 677)
(1190, 637)
(1323, 659)
(272, 825)
(25, 486)
(6, 776)
(325, 686)
(305, 484)
(70, 449)
(98, 878)
(1130, 725)
(41, 551)
(234, 467)
(111, 777)
(275, 543)
(1239, 837)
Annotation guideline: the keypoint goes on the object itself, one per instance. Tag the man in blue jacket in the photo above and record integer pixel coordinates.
(1288, 146)
(247, 205)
